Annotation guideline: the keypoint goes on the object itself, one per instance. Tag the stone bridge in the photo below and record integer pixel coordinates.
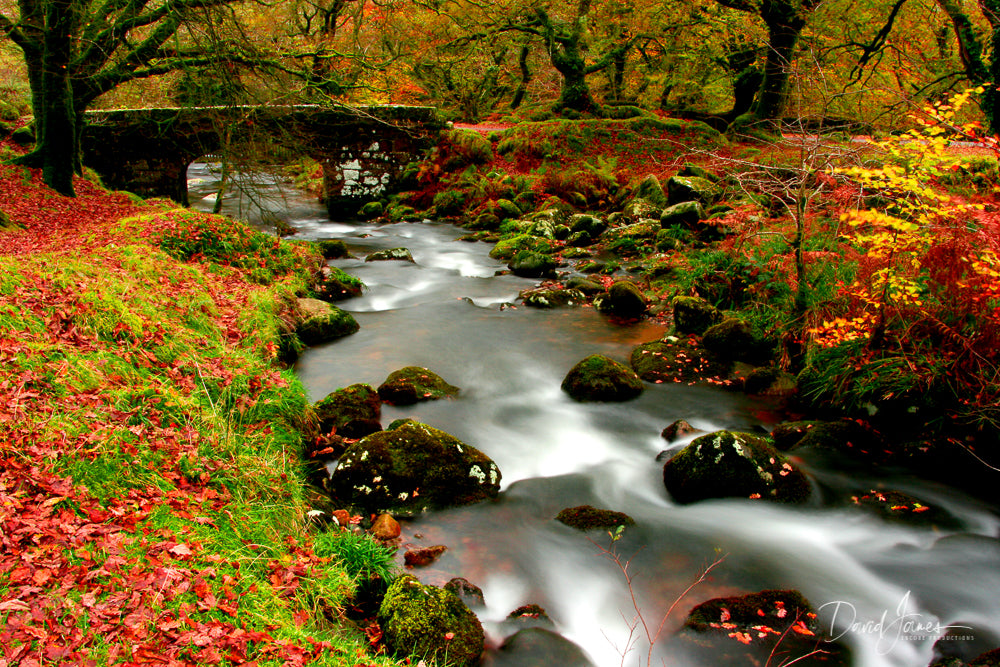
(363, 150)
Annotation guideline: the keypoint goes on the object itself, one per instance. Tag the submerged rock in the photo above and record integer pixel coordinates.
(430, 623)
(423, 556)
(539, 647)
(728, 464)
(411, 468)
(392, 254)
(529, 616)
(385, 528)
(351, 412)
(414, 384)
(587, 517)
(322, 322)
(598, 378)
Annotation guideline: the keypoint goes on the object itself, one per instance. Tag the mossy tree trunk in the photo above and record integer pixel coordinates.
(522, 84)
(971, 50)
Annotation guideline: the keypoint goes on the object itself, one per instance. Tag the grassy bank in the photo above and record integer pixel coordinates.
(152, 499)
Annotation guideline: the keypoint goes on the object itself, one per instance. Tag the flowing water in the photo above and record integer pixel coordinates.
(449, 311)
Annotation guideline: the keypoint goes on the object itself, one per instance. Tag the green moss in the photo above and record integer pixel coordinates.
(506, 249)
(598, 378)
(587, 517)
(430, 623)
(414, 384)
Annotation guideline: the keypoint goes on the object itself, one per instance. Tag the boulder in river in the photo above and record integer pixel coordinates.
(530, 264)
(467, 591)
(552, 297)
(676, 360)
(623, 298)
(750, 629)
(430, 623)
(598, 378)
(678, 429)
(322, 322)
(338, 285)
(411, 468)
(351, 412)
(588, 517)
(729, 464)
(392, 254)
(414, 384)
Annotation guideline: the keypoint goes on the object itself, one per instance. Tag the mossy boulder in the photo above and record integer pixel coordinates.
(544, 228)
(693, 314)
(584, 222)
(321, 322)
(846, 436)
(645, 229)
(333, 249)
(391, 254)
(694, 170)
(414, 384)
(338, 285)
(528, 264)
(23, 135)
(623, 299)
(411, 468)
(449, 202)
(651, 190)
(691, 188)
(586, 285)
(641, 209)
(351, 412)
(733, 339)
(751, 629)
(507, 248)
(371, 210)
(588, 517)
(507, 209)
(677, 360)
(552, 297)
(729, 464)
(685, 214)
(430, 623)
(598, 378)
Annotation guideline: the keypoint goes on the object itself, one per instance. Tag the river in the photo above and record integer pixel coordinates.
(449, 311)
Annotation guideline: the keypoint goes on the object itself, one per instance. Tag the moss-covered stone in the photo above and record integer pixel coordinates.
(728, 464)
(508, 209)
(685, 214)
(693, 314)
(23, 135)
(321, 322)
(641, 209)
(592, 225)
(846, 436)
(623, 299)
(371, 210)
(338, 285)
(390, 254)
(449, 202)
(585, 286)
(598, 378)
(414, 384)
(731, 338)
(333, 249)
(651, 190)
(528, 264)
(699, 172)
(552, 297)
(588, 517)
(507, 248)
(691, 188)
(352, 412)
(645, 229)
(411, 468)
(430, 623)
(677, 360)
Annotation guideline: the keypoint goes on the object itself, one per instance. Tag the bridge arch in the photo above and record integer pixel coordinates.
(363, 150)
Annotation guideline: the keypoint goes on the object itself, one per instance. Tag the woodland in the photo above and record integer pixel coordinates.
(815, 182)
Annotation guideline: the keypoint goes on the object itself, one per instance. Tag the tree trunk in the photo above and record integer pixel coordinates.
(522, 85)
(991, 97)
(58, 141)
(784, 25)
(575, 93)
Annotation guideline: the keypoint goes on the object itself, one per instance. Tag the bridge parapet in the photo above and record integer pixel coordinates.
(363, 150)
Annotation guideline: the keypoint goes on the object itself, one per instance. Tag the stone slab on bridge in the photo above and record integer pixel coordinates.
(363, 150)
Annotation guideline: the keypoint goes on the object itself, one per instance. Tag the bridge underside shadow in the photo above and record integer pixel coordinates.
(363, 150)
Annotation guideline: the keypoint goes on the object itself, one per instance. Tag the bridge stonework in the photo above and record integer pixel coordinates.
(363, 150)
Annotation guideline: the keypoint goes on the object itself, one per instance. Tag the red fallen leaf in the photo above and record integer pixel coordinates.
(181, 550)
(14, 605)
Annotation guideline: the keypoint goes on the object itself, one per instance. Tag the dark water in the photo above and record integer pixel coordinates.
(449, 312)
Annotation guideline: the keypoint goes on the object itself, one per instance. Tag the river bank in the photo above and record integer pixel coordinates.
(154, 509)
